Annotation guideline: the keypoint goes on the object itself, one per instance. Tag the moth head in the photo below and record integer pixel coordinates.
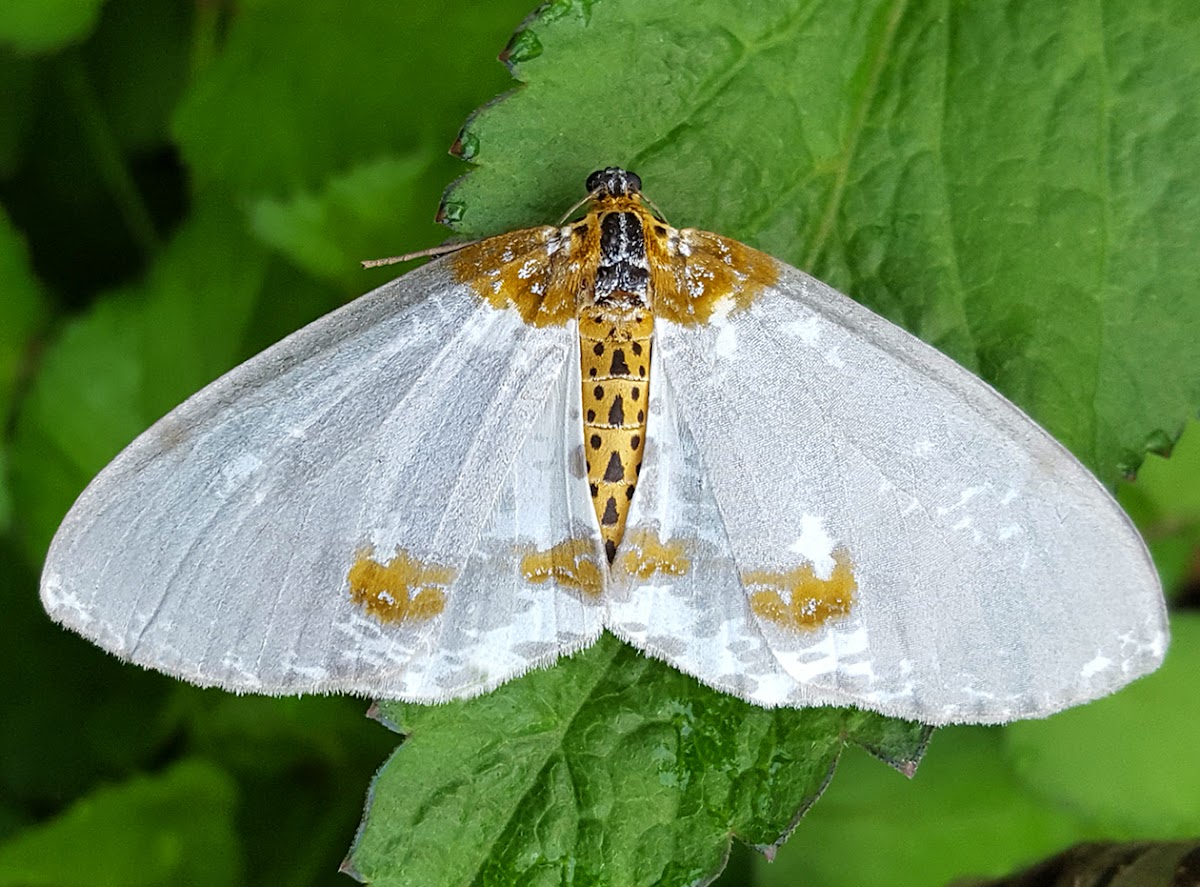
(612, 181)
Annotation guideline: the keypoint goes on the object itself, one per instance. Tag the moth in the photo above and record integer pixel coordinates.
(612, 424)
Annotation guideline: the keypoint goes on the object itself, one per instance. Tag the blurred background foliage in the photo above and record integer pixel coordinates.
(181, 184)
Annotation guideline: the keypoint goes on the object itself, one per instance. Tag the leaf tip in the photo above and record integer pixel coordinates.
(524, 46)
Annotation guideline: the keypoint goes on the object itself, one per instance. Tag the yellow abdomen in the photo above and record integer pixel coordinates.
(615, 359)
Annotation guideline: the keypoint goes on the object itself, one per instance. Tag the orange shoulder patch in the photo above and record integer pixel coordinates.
(696, 274)
(538, 271)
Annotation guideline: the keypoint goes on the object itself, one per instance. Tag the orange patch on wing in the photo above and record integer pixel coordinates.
(404, 589)
(797, 599)
(644, 554)
(538, 271)
(694, 272)
(572, 564)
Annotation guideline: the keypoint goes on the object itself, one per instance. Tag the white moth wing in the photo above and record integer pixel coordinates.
(691, 613)
(217, 546)
(543, 502)
(996, 578)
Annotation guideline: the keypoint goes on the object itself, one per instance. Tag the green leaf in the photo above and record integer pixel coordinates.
(1165, 502)
(352, 218)
(343, 85)
(45, 25)
(17, 79)
(172, 829)
(105, 716)
(1015, 185)
(21, 316)
(137, 66)
(353, 171)
(608, 769)
(965, 812)
(302, 766)
(1128, 761)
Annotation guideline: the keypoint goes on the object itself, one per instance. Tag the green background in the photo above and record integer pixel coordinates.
(183, 183)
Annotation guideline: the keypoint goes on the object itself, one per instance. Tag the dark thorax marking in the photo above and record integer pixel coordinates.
(623, 273)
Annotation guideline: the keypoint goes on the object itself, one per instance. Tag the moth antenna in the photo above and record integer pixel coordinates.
(591, 195)
(444, 249)
(654, 206)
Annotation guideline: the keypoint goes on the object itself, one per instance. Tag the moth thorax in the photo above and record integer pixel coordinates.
(622, 271)
(614, 349)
